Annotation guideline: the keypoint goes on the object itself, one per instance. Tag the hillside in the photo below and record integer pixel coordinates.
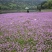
(19, 4)
(32, 2)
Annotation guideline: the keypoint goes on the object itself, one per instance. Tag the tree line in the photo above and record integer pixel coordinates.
(11, 6)
(46, 4)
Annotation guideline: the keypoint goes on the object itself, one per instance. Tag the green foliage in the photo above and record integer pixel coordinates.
(8, 39)
(16, 5)
(13, 51)
(1, 33)
(19, 5)
(32, 42)
(47, 4)
(21, 41)
(48, 50)
(9, 6)
(0, 7)
(39, 8)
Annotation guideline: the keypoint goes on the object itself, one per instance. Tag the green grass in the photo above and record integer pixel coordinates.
(1, 33)
(49, 49)
(13, 51)
(21, 41)
(8, 39)
(32, 42)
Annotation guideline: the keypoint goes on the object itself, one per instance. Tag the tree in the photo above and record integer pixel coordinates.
(46, 4)
(39, 8)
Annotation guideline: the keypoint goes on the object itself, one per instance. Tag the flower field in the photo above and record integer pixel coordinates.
(26, 32)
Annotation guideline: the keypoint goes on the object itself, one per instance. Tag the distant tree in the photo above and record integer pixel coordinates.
(0, 7)
(42, 4)
(27, 10)
(39, 8)
(46, 4)
(49, 4)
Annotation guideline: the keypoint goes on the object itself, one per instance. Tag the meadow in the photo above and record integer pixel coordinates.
(26, 32)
